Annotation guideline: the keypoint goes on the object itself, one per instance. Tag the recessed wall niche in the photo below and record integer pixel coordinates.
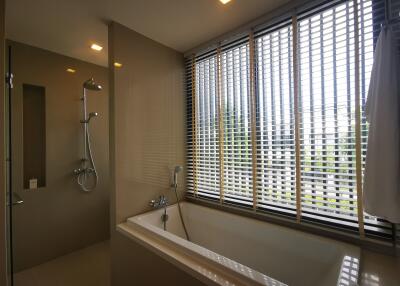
(34, 136)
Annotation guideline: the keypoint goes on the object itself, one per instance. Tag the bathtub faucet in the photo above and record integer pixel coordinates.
(161, 202)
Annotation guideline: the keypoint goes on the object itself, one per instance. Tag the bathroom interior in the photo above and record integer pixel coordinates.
(202, 142)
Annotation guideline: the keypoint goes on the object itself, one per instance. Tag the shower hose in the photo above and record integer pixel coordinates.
(180, 212)
(82, 176)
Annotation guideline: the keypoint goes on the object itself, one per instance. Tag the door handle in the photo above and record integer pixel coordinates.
(16, 199)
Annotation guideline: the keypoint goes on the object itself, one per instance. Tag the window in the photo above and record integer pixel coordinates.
(275, 121)
(273, 125)
(327, 108)
(206, 133)
(236, 105)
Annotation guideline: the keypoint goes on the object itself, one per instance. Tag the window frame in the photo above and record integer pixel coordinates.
(327, 226)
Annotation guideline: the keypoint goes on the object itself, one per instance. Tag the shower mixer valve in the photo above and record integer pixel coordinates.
(161, 202)
(84, 170)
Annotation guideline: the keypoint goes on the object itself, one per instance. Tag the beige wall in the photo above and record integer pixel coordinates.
(3, 272)
(148, 120)
(147, 130)
(59, 218)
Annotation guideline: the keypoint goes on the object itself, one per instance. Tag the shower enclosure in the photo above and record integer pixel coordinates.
(50, 130)
(87, 172)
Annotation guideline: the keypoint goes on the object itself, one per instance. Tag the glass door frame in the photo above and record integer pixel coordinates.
(8, 155)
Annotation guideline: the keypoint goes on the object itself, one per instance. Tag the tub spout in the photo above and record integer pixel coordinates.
(161, 202)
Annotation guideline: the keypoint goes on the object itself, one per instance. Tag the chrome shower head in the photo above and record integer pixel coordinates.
(92, 85)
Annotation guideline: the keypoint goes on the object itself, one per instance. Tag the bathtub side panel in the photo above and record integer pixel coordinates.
(135, 265)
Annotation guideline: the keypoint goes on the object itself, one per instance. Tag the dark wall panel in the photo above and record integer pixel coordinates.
(34, 136)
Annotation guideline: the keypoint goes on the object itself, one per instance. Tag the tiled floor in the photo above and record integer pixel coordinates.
(86, 267)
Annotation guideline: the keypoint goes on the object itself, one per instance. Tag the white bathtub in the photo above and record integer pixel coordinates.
(227, 249)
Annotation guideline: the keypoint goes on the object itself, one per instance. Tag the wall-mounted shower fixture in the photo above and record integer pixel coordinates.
(88, 168)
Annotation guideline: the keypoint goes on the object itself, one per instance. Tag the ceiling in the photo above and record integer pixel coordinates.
(69, 27)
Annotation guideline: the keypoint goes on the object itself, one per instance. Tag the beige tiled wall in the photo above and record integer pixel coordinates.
(147, 141)
(149, 129)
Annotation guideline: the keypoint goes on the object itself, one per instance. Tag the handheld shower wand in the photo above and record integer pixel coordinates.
(177, 170)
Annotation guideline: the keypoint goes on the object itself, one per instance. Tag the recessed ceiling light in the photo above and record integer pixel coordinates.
(117, 65)
(224, 1)
(71, 70)
(96, 47)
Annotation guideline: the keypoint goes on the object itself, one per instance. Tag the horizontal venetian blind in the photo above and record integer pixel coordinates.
(237, 153)
(275, 121)
(232, 161)
(190, 124)
(327, 108)
(203, 141)
(328, 112)
(393, 16)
